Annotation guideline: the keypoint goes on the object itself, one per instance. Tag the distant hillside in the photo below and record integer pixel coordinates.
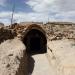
(61, 23)
(28, 23)
(52, 23)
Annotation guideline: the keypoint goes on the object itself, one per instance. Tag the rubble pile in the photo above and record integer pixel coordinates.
(54, 31)
(6, 34)
(58, 32)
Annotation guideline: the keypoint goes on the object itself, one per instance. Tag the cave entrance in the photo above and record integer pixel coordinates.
(35, 42)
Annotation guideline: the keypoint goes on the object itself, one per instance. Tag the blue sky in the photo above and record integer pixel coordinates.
(37, 10)
(20, 5)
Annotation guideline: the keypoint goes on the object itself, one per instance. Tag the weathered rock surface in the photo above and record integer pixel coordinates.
(11, 54)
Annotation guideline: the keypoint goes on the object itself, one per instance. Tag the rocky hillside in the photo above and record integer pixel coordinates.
(11, 57)
(54, 30)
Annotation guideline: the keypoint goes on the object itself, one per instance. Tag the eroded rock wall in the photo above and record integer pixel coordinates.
(13, 60)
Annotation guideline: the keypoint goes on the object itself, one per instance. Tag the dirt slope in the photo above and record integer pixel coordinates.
(11, 52)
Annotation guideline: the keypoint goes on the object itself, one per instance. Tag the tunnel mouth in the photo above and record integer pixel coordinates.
(35, 42)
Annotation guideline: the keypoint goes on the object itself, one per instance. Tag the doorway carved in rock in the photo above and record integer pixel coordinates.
(35, 42)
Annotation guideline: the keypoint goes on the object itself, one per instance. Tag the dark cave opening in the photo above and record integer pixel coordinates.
(35, 42)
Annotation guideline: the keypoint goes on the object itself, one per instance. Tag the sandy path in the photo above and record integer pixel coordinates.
(64, 51)
(41, 65)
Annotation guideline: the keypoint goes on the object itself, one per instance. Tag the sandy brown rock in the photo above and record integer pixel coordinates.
(11, 53)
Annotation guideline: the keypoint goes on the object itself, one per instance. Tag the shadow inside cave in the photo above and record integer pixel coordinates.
(35, 42)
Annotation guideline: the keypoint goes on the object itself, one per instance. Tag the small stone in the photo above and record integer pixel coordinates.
(8, 65)
(53, 57)
(10, 55)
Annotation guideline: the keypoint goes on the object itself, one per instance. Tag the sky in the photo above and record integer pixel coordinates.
(37, 10)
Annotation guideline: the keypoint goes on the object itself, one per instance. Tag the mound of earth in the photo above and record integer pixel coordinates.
(11, 53)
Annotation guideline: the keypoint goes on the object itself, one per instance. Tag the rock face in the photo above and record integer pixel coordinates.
(12, 52)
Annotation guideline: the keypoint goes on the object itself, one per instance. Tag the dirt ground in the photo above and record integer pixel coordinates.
(58, 62)
(64, 53)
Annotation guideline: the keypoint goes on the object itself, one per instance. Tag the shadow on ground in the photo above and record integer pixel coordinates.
(26, 66)
(31, 64)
